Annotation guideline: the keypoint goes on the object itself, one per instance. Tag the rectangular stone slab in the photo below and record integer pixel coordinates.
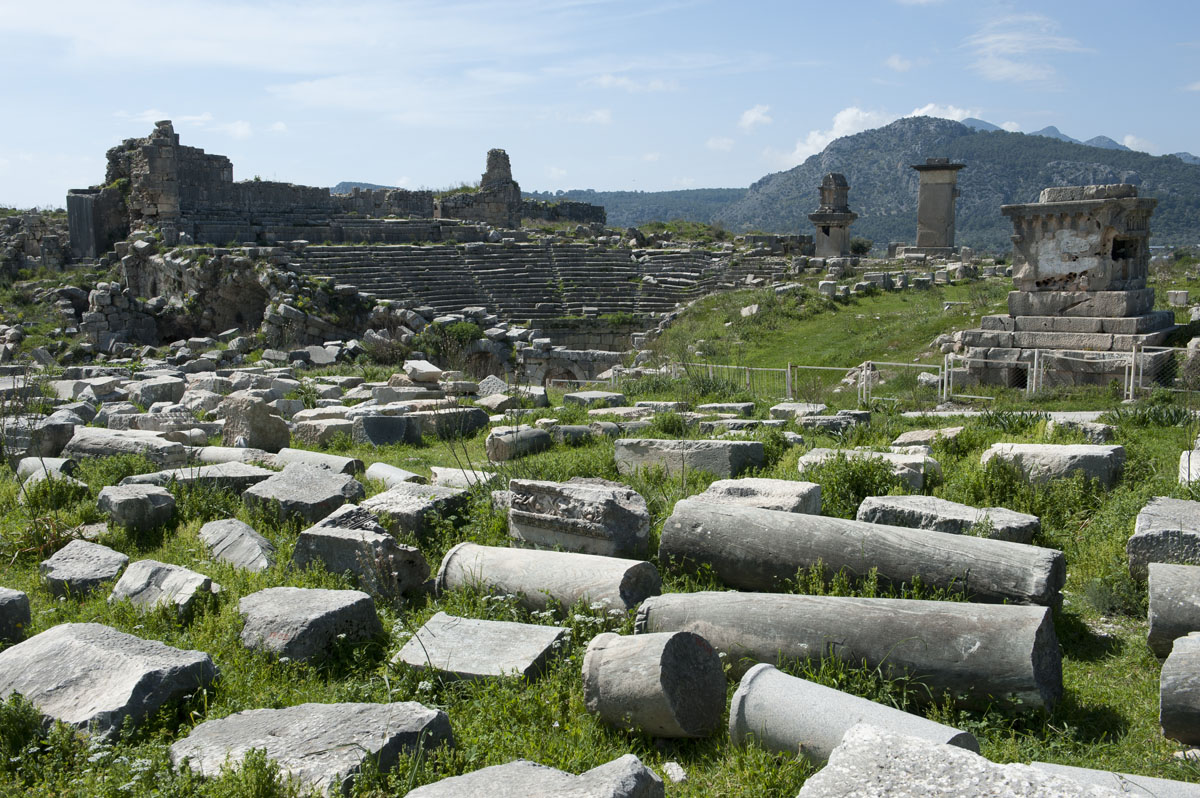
(473, 649)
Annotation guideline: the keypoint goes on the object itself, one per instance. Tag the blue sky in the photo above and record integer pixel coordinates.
(602, 94)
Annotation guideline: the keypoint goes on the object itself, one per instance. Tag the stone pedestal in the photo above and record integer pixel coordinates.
(1080, 258)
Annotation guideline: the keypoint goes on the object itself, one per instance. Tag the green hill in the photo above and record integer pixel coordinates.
(632, 208)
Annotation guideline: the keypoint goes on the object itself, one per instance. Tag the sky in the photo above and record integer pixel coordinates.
(604, 94)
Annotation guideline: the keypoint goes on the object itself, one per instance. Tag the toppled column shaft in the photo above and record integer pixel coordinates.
(753, 549)
(979, 653)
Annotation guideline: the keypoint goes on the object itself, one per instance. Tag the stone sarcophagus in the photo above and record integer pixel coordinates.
(1080, 261)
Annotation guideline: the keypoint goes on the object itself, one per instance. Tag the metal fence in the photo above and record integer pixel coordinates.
(1138, 372)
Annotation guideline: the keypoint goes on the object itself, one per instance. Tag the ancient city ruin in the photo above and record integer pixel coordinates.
(309, 489)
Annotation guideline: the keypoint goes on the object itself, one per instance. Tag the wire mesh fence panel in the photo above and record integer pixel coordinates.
(1163, 368)
(909, 383)
(981, 378)
(820, 384)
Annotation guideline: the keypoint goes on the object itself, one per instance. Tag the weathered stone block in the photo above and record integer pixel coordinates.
(148, 584)
(508, 443)
(321, 747)
(720, 458)
(137, 507)
(1042, 462)
(14, 615)
(304, 623)
(80, 567)
(588, 516)
(939, 515)
(410, 508)
(305, 491)
(467, 648)
(870, 761)
(93, 677)
(236, 543)
(349, 540)
(625, 777)
(784, 495)
(1167, 530)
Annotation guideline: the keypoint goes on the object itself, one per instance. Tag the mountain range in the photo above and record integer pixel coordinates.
(1002, 168)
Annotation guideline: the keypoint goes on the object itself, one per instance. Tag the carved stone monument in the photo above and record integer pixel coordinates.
(935, 208)
(833, 218)
(1080, 259)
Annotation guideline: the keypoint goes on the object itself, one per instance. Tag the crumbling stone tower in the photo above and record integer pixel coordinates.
(833, 218)
(497, 202)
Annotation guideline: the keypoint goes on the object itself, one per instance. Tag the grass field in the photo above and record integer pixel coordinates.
(1107, 719)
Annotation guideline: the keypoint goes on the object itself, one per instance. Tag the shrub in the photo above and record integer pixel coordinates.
(860, 246)
(846, 481)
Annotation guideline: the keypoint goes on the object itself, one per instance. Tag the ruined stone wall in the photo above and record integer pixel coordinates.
(32, 240)
(387, 202)
(567, 211)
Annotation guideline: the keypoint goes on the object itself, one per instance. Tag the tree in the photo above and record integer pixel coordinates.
(860, 246)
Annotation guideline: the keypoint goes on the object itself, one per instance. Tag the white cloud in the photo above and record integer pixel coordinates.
(846, 122)
(1192, 86)
(944, 112)
(651, 157)
(1011, 127)
(403, 182)
(755, 116)
(898, 63)
(1134, 143)
(598, 116)
(719, 143)
(849, 121)
(556, 172)
(240, 129)
(278, 127)
(1006, 49)
(610, 81)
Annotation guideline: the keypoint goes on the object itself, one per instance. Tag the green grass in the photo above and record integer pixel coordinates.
(1108, 718)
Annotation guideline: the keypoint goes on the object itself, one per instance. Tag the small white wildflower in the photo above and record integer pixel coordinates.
(597, 605)
(580, 618)
(341, 636)
(425, 687)
(616, 613)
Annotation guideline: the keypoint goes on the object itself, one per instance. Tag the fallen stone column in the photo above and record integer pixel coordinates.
(1122, 783)
(753, 549)
(980, 653)
(1174, 605)
(667, 685)
(789, 715)
(541, 578)
(509, 443)
(1179, 691)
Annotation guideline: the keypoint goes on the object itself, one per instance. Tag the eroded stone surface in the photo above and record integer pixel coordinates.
(625, 777)
(235, 542)
(721, 458)
(1042, 462)
(305, 491)
(409, 507)
(148, 583)
(583, 515)
(784, 495)
(304, 623)
(137, 506)
(475, 649)
(322, 746)
(92, 676)
(14, 615)
(80, 567)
